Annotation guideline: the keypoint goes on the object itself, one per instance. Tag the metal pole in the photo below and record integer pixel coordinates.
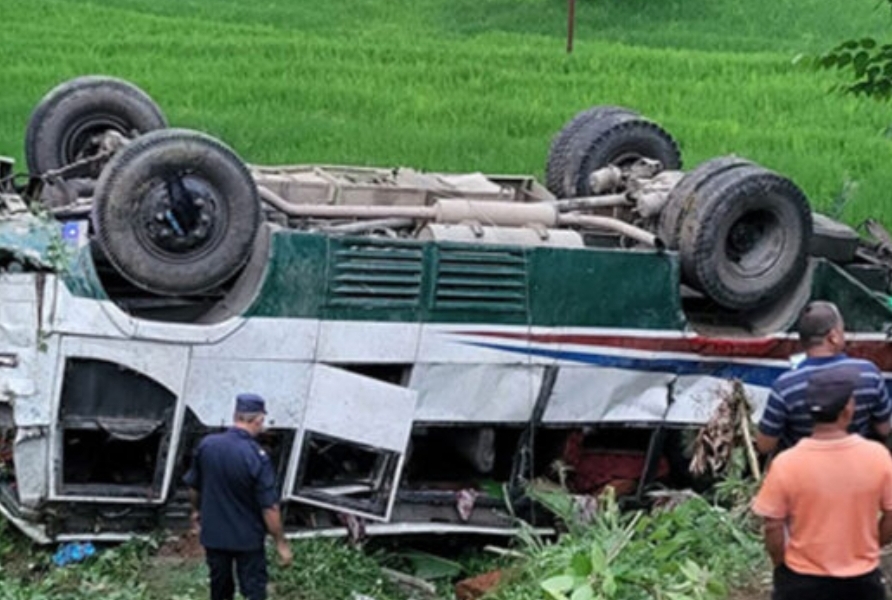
(571, 24)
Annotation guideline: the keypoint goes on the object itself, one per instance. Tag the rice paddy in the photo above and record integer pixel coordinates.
(473, 85)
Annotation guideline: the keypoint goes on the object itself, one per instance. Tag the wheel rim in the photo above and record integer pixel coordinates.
(625, 160)
(82, 139)
(754, 243)
(175, 235)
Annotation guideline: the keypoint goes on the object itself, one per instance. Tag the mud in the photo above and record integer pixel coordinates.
(185, 546)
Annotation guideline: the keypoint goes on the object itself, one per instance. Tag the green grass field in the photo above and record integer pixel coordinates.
(472, 84)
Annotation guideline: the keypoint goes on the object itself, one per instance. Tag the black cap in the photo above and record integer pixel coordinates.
(250, 403)
(829, 390)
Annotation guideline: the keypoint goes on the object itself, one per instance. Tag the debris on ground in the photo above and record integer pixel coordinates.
(410, 583)
(476, 587)
(186, 545)
(728, 428)
(73, 552)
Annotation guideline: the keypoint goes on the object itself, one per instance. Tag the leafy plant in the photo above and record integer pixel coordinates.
(869, 64)
(689, 551)
(326, 569)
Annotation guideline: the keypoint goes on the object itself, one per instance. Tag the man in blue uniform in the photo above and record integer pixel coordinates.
(234, 499)
(786, 419)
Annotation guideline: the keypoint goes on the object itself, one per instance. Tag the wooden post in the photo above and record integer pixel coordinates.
(571, 24)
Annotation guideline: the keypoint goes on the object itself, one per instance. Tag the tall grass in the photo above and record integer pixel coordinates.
(470, 84)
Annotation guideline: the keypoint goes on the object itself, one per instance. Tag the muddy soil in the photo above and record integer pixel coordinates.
(185, 546)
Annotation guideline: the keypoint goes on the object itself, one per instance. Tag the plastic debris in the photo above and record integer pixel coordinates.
(73, 552)
(465, 500)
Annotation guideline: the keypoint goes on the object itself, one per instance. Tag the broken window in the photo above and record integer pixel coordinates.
(115, 427)
(349, 455)
(396, 374)
(339, 473)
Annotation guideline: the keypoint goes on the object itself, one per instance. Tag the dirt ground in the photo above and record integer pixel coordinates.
(185, 547)
(176, 569)
(756, 591)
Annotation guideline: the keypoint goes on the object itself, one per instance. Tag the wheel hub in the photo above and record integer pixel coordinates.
(174, 228)
(84, 139)
(755, 242)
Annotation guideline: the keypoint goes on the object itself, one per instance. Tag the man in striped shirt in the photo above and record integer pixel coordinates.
(786, 419)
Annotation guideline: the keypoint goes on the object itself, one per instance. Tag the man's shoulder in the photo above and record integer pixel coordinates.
(258, 451)
(801, 373)
(865, 366)
(857, 447)
(791, 379)
(251, 448)
(870, 448)
(214, 440)
(862, 364)
(791, 455)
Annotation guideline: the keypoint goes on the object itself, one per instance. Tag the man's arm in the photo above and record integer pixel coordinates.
(881, 411)
(192, 478)
(773, 530)
(765, 444)
(772, 423)
(195, 501)
(272, 518)
(886, 527)
(267, 497)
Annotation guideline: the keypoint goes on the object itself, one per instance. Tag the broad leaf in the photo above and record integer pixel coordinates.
(559, 583)
(598, 559)
(608, 584)
(583, 592)
(581, 565)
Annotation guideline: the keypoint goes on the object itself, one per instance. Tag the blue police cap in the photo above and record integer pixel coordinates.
(250, 403)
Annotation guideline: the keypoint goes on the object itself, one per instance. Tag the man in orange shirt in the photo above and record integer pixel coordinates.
(822, 500)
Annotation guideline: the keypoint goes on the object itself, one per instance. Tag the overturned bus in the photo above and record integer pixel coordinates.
(427, 343)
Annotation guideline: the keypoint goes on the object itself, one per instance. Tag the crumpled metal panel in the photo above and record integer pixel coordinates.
(213, 383)
(27, 239)
(38, 244)
(31, 456)
(469, 393)
(81, 278)
(592, 395)
(359, 409)
(19, 333)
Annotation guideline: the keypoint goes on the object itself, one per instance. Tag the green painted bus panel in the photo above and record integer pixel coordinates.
(477, 284)
(862, 310)
(370, 279)
(373, 279)
(294, 283)
(366, 279)
(605, 288)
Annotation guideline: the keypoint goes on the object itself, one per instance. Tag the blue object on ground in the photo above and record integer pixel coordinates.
(72, 553)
